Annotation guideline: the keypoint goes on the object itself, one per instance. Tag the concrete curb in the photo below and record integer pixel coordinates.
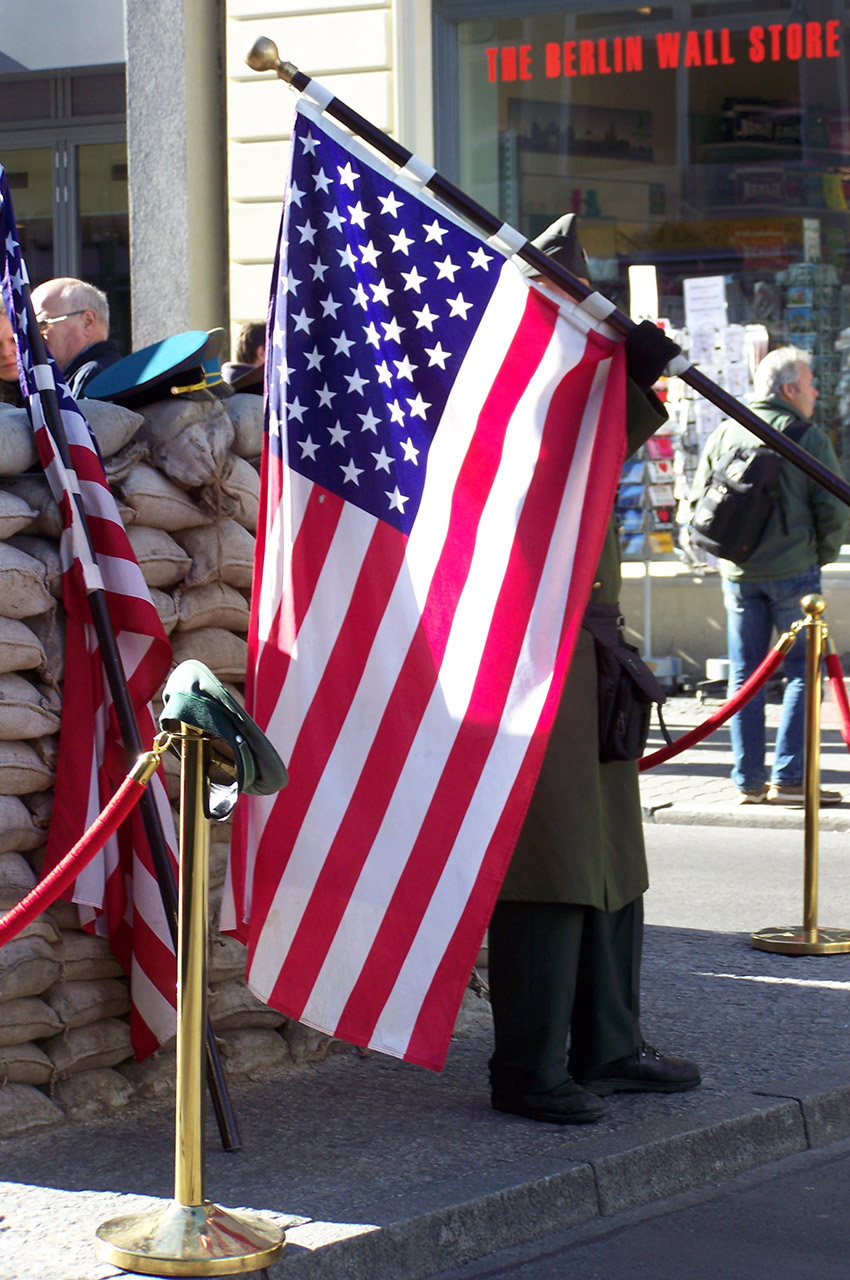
(784, 1121)
(746, 815)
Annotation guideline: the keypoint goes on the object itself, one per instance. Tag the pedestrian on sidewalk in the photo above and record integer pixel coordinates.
(566, 935)
(804, 532)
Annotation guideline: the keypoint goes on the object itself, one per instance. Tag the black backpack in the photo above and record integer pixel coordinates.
(733, 509)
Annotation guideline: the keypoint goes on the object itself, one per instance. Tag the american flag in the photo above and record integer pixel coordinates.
(117, 893)
(436, 483)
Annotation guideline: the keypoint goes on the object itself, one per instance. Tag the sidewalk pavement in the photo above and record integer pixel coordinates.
(376, 1168)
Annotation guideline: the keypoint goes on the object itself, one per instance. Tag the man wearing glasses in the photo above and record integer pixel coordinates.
(73, 317)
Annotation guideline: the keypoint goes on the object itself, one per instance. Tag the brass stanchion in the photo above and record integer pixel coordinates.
(190, 1236)
(809, 939)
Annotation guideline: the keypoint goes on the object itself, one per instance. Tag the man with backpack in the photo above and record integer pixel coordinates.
(803, 530)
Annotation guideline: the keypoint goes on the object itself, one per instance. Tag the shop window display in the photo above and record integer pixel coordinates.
(710, 140)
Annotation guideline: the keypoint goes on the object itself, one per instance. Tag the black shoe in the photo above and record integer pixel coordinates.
(644, 1071)
(568, 1104)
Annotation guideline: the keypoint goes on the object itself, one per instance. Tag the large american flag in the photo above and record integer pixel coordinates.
(442, 451)
(117, 893)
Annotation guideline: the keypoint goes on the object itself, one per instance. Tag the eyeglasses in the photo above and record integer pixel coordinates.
(46, 321)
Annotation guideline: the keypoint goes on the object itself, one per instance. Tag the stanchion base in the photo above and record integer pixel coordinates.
(794, 940)
(189, 1240)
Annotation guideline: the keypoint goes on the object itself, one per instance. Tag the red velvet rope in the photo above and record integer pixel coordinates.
(832, 662)
(56, 881)
(718, 717)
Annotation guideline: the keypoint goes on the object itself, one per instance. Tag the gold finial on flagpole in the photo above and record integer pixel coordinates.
(263, 56)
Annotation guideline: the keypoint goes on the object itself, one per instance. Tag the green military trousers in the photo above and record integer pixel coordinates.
(560, 972)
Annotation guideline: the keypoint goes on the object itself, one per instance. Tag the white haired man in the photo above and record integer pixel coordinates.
(805, 531)
(73, 317)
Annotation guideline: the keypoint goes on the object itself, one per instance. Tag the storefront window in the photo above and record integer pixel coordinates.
(710, 141)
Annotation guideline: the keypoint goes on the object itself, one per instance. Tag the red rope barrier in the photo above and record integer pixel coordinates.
(750, 686)
(832, 662)
(55, 882)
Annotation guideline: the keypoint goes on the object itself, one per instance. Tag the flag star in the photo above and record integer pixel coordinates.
(308, 449)
(405, 368)
(368, 253)
(325, 396)
(322, 181)
(392, 330)
(425, 318)
(434, 231)
(418, 406)
(401, 242)
(314, 360)
(350, 472)
(369, 421)
(396, 412)
(338, 433)
(411, 453)
(437, 355)
(296, 409)
(307, 232)
(380, 292)
(302, 321)
(290, 284)
(360, 296)
(342, 345)
(356, 382)
(309, 144)
(335, 219)
(318, 268)
(446, 270)
(390, 204)
(283, 370)
(347, 258)
(458, 307)
(384, 375)
(479, 258)
(296, 195)
(347, 176)
(358, 215)
(397, 500)
(382, 460)
(330, 306)
(413, 280)
(372, 334)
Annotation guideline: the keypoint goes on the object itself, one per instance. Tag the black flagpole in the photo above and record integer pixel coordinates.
(126, 716)
(264, 56)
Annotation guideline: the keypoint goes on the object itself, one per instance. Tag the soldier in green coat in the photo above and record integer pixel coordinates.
(565, 937)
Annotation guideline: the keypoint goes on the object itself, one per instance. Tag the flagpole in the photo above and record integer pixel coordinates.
(129, 729)
(264, 56)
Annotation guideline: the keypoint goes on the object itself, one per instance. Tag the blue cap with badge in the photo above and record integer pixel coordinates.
(185, 364)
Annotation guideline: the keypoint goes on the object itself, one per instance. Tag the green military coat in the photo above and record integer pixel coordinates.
(582, 839)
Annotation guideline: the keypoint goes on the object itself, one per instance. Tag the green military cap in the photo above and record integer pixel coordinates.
(194, 696)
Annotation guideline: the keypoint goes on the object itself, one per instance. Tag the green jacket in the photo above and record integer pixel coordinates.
(582, 839)
(807, 525)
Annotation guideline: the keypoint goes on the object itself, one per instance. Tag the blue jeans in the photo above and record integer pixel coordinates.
(753, 609)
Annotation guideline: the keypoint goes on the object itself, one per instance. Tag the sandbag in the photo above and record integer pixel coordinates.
(224, 653)
(24, 1109)
(22, 770)
(80, 1003)
(27, 1019)
(220, 553)
(245, 411)
(35, 492)
(231, 1004)
(20, 647)
(101, 1044)
(28, 966)
(158, 502)
(15, 513)
(242, 485)
(16, 879)
(113, 426)
(85, 956)
(88, 1095)
(46, 551)
(25, 712)
(24, 1064)
(49, 630)
(253, 1051)
(18, 831)
(166, 607)
(216, 604)
(17, 442)
(162, 561)
(227, 958)
(189, 440)
(24, 590)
